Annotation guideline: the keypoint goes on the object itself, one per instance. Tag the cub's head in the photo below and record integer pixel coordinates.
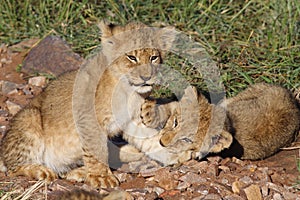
(135, 51)
(140, 68)
(196, 127)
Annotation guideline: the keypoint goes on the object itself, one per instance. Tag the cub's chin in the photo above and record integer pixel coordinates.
(144, 89)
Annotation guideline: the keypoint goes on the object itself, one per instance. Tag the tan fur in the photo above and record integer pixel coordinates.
(85, 195)
(43, 141)
(253, 125)
(272, 120)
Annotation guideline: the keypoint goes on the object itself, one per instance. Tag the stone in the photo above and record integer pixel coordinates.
(148, 172)
(225, 169)
(233, 197)
(201, 166)
(246, 179)
(165, 179)
(12, 107)
(150, 196)
(192, 178)
(277, 178)
(262, 174)
(212, 170)
(122, 177)
(251, 167)
(170, 194)
(183, 185)
(51, 55)
(221, 189)
(214, 159)
(8, 87)
(39, 81)
(212, 197)
(158, 190)
(137, 183)
(253, 192)
(202, 189)
(275, 187)
(237, 186)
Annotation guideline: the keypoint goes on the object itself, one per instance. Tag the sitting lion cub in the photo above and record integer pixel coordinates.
(252, 125)
(44, 143)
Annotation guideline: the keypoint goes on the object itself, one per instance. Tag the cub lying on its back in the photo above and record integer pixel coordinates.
(253, 125)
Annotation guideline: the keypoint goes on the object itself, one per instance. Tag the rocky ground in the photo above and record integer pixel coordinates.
(214, 178)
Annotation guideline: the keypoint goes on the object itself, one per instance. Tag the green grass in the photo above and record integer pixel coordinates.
(251, 41)
(297, 185)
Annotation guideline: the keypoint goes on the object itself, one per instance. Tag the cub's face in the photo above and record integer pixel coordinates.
(197, 145)
(140, 68)
(198, 127)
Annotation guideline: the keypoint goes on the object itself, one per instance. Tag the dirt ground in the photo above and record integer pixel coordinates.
(276, 177)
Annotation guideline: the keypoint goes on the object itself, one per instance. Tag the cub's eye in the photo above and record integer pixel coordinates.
(132, 58)
(175, 123)
(187, 140)
(153, 58)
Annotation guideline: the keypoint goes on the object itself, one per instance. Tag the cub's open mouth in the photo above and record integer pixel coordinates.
(145, 85)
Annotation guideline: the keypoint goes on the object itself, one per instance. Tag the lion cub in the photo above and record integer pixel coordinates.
(44, 143)
(253, 125)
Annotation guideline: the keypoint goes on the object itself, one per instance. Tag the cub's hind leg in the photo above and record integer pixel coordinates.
(34, 171)
(23, 146)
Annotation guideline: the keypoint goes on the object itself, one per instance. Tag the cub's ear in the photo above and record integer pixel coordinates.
(215, 143)
(165, 39)
(106, 28)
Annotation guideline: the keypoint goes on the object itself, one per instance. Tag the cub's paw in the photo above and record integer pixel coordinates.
(149, 114)
(35, 171)
(129, 153)
(103, 181)
(78, 174)
(99, 175)
(118, 195)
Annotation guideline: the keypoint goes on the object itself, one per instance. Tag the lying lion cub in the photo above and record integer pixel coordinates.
(252, 125)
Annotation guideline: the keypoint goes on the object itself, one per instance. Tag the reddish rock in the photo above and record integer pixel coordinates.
(165, 179)
(52, 55)
(170, 194)
(212, 170)
(134, 183)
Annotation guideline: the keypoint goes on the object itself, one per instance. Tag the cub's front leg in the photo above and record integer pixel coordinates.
(95, 173)
(100, 175)
(155, 115)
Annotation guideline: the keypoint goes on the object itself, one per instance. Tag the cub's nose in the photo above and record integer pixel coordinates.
(145, 78)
